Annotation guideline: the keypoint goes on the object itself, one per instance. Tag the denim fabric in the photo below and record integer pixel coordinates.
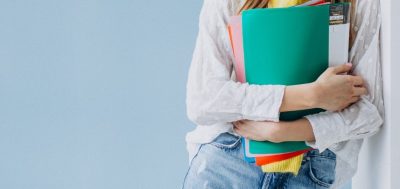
(220, 165)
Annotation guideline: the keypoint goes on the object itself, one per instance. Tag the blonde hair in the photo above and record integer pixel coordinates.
(253, 4)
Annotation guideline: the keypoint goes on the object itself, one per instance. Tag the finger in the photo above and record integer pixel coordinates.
(237, 124)
(357, 80)
(358, 91)
(241, 133)
(234, 126)
(342, 68)
(236, 129)
(241, 122)
(245, 123)
(241, 127)
(354, 99)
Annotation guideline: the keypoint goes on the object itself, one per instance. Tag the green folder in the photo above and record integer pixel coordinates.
(285, 46)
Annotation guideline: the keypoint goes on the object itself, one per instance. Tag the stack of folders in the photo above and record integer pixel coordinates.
(287, 46)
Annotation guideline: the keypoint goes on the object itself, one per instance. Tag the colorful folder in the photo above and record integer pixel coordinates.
(288, 46)
(236, 37)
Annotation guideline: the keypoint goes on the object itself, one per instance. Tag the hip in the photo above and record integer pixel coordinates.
(220, 164)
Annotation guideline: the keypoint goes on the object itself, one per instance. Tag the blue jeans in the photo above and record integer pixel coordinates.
(220, 165)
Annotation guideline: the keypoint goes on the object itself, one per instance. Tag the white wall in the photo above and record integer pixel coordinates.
(395, 130)
(378, 168)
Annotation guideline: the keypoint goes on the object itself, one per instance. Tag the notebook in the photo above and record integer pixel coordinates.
(289, 46)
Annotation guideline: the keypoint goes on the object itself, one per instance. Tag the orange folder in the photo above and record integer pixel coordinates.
(263, 160)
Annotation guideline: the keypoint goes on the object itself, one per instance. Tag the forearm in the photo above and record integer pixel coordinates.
(298, 97)
(333, 90)
(299, 130)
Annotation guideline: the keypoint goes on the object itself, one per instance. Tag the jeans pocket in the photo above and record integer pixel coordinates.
(322, 169)
(226, 141)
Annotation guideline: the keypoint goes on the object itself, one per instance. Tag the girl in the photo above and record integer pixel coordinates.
(225, 109)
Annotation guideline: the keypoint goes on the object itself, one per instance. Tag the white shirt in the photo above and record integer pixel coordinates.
(215, 98)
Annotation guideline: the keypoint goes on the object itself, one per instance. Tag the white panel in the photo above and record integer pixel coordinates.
(395, 104)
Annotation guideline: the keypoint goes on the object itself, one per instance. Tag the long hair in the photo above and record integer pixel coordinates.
(253, 4)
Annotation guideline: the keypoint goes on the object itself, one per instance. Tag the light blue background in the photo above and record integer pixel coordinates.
(92, 93)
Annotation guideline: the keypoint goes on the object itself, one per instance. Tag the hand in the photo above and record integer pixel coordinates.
(258, 130)
(334, 91)
(299, 130)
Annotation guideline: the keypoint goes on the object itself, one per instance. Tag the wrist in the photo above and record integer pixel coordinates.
(313, 95)
(298, 130)
(279, 132)
(274, 133)
(285, 130)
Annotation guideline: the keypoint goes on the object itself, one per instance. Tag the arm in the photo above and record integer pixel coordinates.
(331, 91)
(360, 120)
(212, 97)
(365, 117)
(299, 130)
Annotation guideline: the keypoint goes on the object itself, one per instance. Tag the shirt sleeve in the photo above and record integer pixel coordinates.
(212, 96)
(365, 117)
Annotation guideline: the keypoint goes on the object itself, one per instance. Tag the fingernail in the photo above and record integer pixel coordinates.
(349, 64)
